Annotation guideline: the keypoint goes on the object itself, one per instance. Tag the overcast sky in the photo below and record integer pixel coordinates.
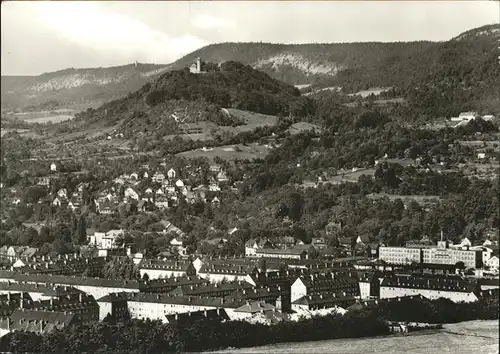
(48, 36)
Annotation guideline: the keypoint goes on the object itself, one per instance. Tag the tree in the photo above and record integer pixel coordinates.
(295, 203)
(80, 232)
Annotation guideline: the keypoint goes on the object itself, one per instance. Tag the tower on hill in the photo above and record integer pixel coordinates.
(195, 68)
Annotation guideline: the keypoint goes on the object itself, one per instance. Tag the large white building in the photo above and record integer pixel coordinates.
(442, 254)
(158, 306)
(105, 240)
(454, 288)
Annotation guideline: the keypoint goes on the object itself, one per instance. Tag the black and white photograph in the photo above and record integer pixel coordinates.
(250, 177)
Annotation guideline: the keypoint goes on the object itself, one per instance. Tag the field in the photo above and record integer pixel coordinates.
(252, 120)
(300, 127)
(478, 144)
(351, 176)
(43, 117)
(207, 130)
(420, 199)
(230, 152)
(371, 91)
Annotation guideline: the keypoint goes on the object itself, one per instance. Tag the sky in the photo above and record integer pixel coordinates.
(38, 37)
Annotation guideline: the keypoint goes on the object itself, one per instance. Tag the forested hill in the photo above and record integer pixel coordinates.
(357, 66)
(230, 84)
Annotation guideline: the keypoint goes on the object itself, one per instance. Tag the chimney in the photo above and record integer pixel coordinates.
(198, 64)
(80, 297)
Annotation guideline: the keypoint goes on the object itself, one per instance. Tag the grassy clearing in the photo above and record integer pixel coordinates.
(229, 152)
(351, 176)
(300, 127)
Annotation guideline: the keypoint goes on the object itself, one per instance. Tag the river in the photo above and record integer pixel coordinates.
(479, 337)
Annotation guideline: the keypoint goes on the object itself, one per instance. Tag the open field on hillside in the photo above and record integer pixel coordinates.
(351, 176)
(205, 130)
(478, 144)
(252, 120)
(42, 117)
(230, 152)
(371, 91)
(300, 127)
(420, 199)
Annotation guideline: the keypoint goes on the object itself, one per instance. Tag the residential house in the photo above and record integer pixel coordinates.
(62, 193)
(105, 240)
(252, 245)
(288, 253)
(158, 177)
(171, 174)
(215, 168)
(162, 202)
(131, 194)
(215, 202)
(106, 207)
(222, 177)
(319, 243)
(166, 268)
(492, 262)
(58, 202)
(43, 181)
(217, 272)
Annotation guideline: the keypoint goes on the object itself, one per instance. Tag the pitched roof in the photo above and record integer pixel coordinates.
(441, 283)
(292, 251)
(40, 321)
(255, 307)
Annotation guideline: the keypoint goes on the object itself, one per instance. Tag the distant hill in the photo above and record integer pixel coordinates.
(75, 86)
(464, 69)
(356, 65)
(178, 97)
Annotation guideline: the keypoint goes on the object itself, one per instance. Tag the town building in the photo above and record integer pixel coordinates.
(442, 254)
(252, 245)
(219, 315)
(164, 268)
(38, 291)
(158, 306)
(37, 321)
(97, 287)
(342, 282)
(454, 288)
(288, 253)
(216, 273)
(105, 240)
(369, 285)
